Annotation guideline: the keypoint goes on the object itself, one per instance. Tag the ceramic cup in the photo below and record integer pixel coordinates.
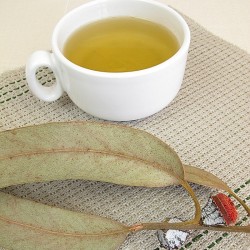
(113, 96)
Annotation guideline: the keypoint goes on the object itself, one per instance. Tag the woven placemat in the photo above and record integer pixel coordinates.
(207, 124)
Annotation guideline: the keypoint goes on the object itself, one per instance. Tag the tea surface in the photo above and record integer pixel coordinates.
(120, 44)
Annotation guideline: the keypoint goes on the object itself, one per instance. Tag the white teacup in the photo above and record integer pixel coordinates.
(113, 96)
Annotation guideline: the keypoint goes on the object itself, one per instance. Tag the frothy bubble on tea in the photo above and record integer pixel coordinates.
(120, 44)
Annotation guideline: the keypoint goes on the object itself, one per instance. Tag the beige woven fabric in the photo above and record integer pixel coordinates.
(207, 124)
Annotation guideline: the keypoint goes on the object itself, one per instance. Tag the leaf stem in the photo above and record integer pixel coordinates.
(197, 216)
(243, 204)
(188, 226)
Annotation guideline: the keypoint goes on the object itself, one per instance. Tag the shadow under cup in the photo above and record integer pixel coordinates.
(127, 95)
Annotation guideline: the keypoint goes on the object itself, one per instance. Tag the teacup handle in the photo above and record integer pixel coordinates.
(40, 59)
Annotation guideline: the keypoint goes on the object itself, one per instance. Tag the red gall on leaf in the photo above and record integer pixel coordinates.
(220, 210)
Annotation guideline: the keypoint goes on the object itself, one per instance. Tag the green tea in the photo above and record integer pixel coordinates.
(120, 44)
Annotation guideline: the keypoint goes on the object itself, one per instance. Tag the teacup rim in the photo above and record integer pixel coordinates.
(183, 48)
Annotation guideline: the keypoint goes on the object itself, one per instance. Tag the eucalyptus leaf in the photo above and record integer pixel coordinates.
(203, 177)
(28, 225)
(91, 151)
(85, 150)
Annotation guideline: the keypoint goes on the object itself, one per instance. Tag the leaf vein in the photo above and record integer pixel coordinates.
(59, 233)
